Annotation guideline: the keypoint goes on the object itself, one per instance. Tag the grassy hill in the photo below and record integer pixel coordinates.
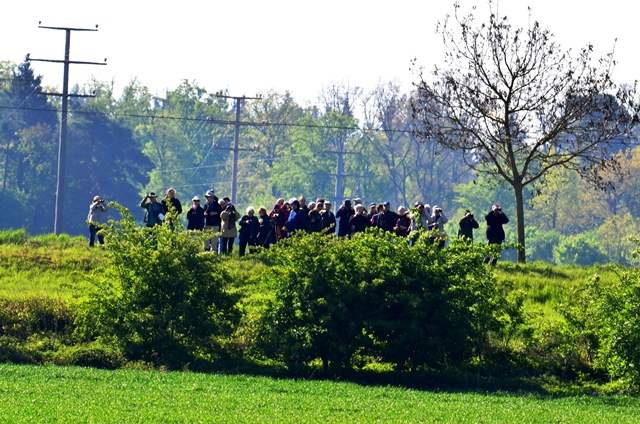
(43, 278)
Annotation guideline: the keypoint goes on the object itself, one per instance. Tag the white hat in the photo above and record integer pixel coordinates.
(195, 198)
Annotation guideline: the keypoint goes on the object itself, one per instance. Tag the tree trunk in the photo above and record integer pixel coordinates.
(521, 254)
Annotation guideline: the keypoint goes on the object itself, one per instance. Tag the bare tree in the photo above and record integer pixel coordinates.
(386, 112)
(517, 105)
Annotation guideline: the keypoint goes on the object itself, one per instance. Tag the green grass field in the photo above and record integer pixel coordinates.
(30, 394)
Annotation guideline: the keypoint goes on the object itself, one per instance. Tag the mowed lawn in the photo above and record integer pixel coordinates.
(34, 394)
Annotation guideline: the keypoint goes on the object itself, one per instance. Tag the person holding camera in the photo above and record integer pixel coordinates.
(466, 225)
(212, 211)
(249, 230)
(155, 210)
(266, 234)
(96, 208)
(344, 214)
(360, 221)
(495, 233)
(229, 230)
(438, 219)
(402, 228)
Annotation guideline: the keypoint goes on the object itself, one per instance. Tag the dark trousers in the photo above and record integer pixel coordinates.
(226, 247)
(93, 230)
(244, 242)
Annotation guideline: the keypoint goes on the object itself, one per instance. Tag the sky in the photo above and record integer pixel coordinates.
(250, 47)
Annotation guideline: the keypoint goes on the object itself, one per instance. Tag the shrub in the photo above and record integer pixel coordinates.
(20, 318)
(161, 299)
(581, 249)
(540, 244)
(94, 354)
(372, 293)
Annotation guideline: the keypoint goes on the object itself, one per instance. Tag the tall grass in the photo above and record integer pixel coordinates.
(48, 265)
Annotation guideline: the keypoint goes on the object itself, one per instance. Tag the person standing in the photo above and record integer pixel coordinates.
(96, 209)
(359, 221)
(402, 227)
(155, 210)
(303, 211)
(344, 214)
(249, 230)
(171, 199)
(212, 211)
(328, 218)
(229, 230)
(315, 219)
(438, 219)
(387, 218)
(466, 225)
(195, 215)
(266, 235)
(295, 219)
(495, 233)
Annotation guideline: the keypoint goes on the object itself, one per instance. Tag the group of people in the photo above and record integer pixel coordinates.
(266, 228)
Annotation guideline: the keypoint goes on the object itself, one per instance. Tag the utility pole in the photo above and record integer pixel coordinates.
(340, 174)
(236, 139)
(62, 140)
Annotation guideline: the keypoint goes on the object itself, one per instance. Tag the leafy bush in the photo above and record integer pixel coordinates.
(21, 318)
(93, 354)
(373, 294)
(161, 299)
(610, 322)
(581, 249)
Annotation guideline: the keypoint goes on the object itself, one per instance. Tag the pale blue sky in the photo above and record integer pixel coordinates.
(252, 46)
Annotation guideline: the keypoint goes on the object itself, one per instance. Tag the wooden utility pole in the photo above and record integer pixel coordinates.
(236, 140)
(62, 140)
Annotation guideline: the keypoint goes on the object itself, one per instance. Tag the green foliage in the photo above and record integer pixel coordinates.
(372, 293)
(161, 299)
(18, 236)
(581, 249)
(22, 318)
(606, 315)
(540, 244)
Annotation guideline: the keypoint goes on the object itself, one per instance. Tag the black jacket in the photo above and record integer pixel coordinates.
(195, 218)
(466, 226)
(249, 227)
(213, 220)
(495, 232)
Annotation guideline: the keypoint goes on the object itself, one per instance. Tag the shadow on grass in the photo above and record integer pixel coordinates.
(519, 382)
(539, 269)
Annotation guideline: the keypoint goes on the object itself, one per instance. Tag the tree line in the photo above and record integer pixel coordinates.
(510, 118)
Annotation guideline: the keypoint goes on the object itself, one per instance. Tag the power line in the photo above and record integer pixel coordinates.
(223, 121)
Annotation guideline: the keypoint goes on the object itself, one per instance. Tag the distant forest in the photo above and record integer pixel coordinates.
(349, 143)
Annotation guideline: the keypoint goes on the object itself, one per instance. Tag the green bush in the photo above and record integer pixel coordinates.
(161, 299)
(21, 318)
(93, 354)
(581, 249)
(610, 321)
(373, 295)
